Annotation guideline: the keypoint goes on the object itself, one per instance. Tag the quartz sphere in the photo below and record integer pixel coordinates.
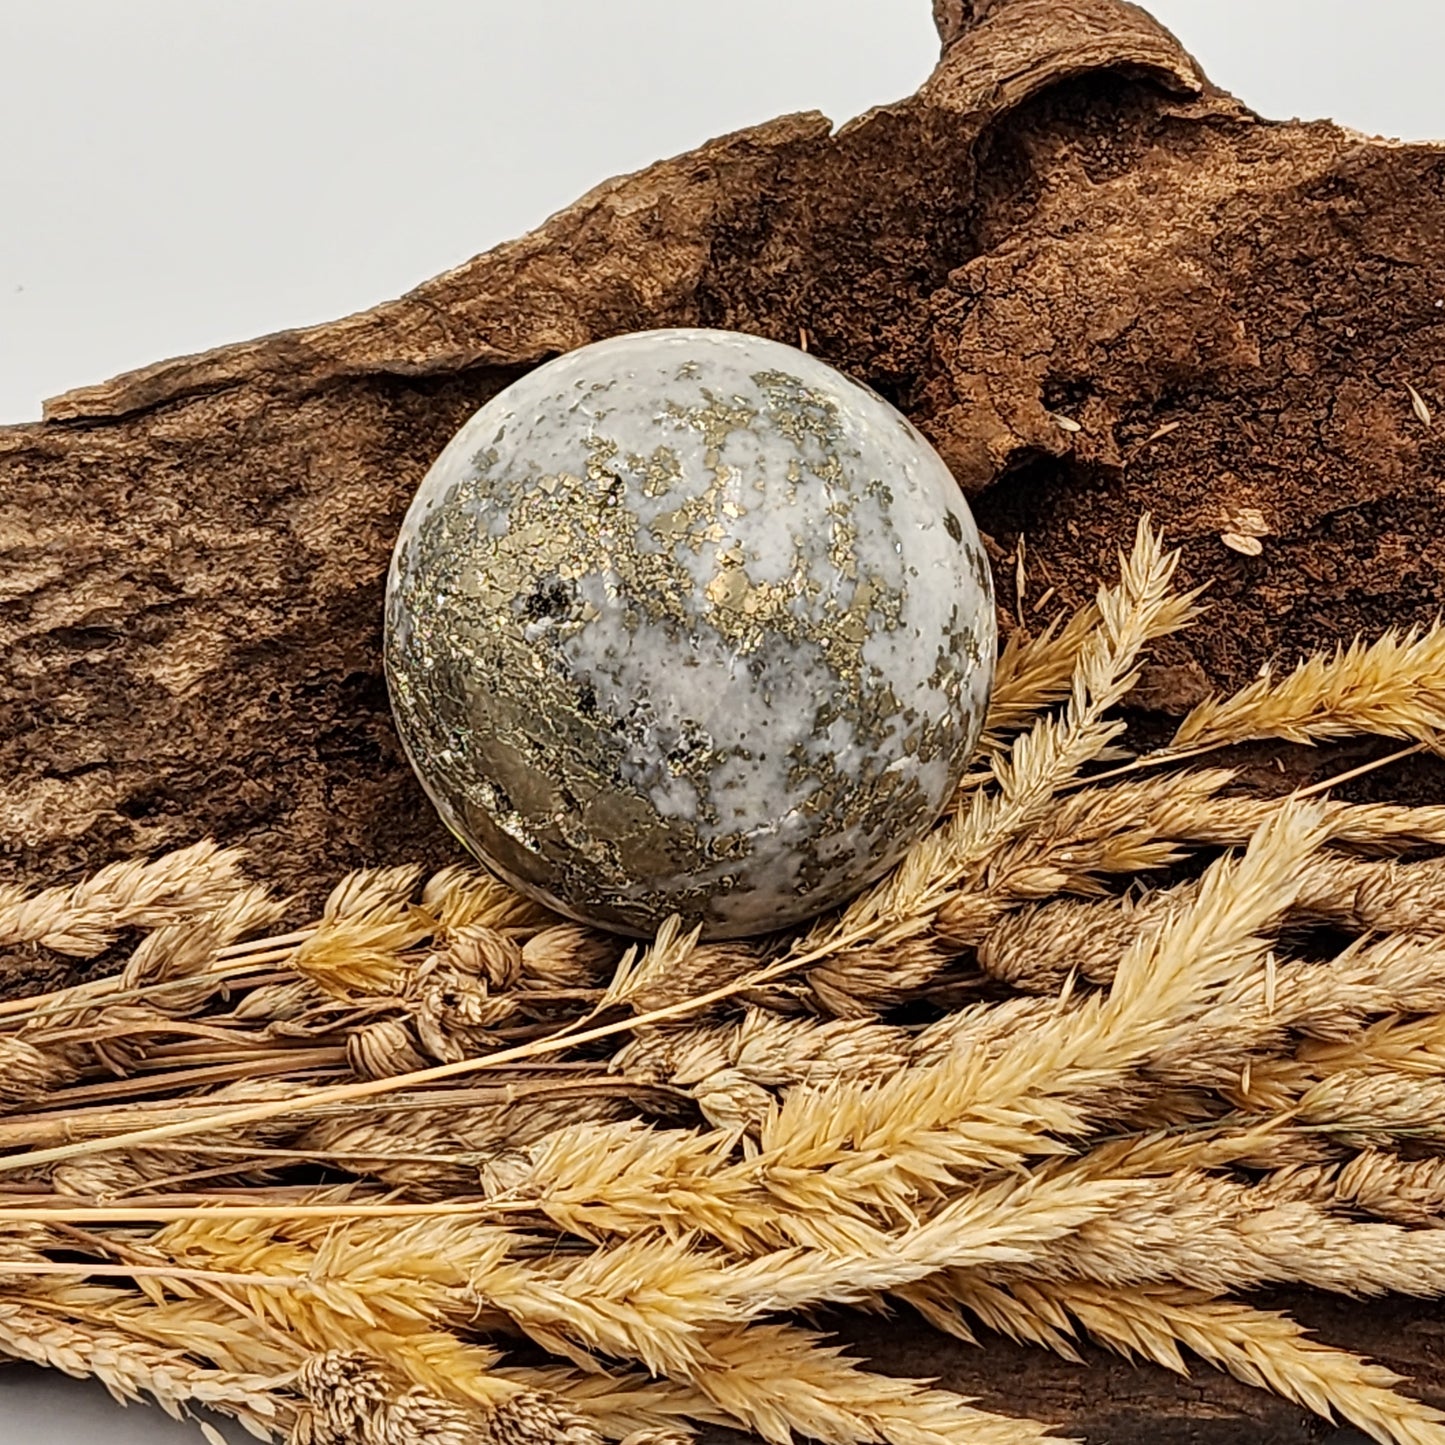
(688, 622)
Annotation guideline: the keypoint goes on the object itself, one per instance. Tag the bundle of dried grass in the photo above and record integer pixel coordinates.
(330, 1180)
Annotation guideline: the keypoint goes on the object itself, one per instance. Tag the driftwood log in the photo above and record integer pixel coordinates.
(1098, 284)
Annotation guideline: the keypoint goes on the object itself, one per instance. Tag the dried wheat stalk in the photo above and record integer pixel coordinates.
(1257, 1346)
(1391, 688)
(131, 1369)
(651, 1161)
(85, 919)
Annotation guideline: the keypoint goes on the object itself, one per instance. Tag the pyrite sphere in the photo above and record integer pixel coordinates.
(686, 621)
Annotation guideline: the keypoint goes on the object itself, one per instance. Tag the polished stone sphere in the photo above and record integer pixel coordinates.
(688, 622)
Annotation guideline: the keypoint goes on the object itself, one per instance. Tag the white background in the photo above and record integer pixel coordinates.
(175, 174)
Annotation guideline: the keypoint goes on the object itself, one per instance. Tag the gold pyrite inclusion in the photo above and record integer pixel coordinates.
(688, 622)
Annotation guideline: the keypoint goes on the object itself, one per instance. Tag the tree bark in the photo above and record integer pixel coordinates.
(1097, 283)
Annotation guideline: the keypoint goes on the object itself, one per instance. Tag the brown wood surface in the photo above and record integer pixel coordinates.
(1066, 220)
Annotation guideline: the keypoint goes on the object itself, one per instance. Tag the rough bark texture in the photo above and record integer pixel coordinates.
(1066, 221)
